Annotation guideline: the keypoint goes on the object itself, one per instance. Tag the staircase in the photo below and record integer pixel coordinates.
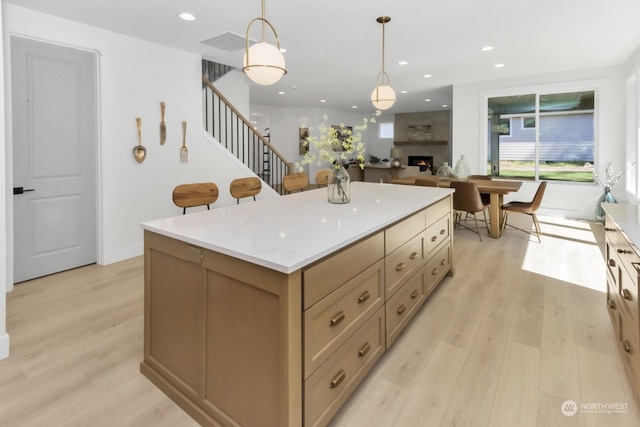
(237, 134)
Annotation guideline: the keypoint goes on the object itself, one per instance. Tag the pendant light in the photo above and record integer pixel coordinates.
(263, 62)
(383, 96)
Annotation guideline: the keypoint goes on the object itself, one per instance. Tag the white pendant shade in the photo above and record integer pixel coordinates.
(267, 64)
(383, 97)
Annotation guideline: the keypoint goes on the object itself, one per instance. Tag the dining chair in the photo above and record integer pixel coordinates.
(528, 208)
(245, 187)
(295, 182)
(466, 199)
(322, 177)
(485, 197)
(426, 182)
(198, 194)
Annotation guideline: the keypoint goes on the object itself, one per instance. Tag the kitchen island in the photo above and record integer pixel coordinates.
(270, 313)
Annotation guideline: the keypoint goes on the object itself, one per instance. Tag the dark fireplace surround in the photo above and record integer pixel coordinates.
(425, 162)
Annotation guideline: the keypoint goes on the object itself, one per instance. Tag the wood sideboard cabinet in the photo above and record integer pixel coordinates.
(623, 269)
(239, 344)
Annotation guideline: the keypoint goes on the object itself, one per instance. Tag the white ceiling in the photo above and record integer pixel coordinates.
(334, 47)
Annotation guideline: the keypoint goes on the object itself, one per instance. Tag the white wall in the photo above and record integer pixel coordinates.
(135, 76)
(4, 278)
(575, 200)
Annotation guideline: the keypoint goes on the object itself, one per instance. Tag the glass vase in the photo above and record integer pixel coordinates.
(606, 197)
(338, 190)
(445, 171)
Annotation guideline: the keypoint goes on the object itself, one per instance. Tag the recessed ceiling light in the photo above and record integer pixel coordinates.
(354, 106)
(323, 100)
(187, 16)
(427, 100)
(283, 50)
(403, 91)
(487, 48)
(426, 76)
(444, 105)
(499, 65)
(281, 92)
(403, 62)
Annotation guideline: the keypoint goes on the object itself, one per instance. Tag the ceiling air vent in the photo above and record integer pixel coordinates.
(228, 41)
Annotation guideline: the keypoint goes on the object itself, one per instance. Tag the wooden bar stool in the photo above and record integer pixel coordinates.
(198, 194)
(245, 187)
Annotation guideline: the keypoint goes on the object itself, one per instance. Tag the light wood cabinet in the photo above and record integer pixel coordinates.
(235, 343)
(623, 264)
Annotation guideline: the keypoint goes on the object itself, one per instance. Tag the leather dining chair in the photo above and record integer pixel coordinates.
(485, 197)
(466, 199)
(245, 187)
(295, 182)
(426, 182)
(528, 208)
(322, 177)
(198, 194)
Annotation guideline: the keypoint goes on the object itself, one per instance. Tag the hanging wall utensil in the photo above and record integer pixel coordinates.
(163, 125)
(139, 152)
(184, 153)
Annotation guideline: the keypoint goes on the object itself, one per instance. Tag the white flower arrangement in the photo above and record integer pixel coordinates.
(336, 145)
(610, 179)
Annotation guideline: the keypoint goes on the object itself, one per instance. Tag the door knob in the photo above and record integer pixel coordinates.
(20, 190)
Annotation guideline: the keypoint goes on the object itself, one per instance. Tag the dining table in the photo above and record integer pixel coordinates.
(496, 188)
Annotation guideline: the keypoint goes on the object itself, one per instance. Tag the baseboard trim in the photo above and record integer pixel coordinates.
(4, 346)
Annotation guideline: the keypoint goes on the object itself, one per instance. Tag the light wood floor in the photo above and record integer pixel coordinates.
(521, 328)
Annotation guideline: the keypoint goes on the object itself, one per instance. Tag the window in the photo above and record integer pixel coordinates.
(561, 148)
(385, 130)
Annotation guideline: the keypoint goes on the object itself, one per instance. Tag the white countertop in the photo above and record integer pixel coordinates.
(287, 233)
(627, 218)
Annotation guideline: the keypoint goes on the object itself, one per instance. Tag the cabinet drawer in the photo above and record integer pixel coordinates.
(438, 210)
(629, 294)
(328, 388)
(329, 274)
(629, 347)
(397, 235)
(402, 306)
(403, 262)
(331, 321)
(437, 233)
(437, 267)
(613, 308)
(613, 262)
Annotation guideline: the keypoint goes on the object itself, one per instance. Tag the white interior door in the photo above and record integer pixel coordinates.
(54, 108)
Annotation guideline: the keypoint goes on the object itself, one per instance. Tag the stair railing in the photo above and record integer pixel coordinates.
(226, 124)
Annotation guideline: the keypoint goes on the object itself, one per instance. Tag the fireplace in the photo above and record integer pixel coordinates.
(425, 162)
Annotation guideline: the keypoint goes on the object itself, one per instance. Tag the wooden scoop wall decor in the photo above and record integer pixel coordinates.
(139, 152)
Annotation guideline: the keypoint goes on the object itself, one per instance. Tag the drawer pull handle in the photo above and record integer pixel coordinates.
(443, 262)
(414, 294)
(627, 295)
(337, 319)
(434, 271)
(434, 238)
(609, 229)
(401, 309)
(612, 263)
(627, 347)
(337, 380)
(624, 251)
(443, 231)
(413, 255)
(362, 298)
(400, 266)
(364, 350)
(612, 305)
